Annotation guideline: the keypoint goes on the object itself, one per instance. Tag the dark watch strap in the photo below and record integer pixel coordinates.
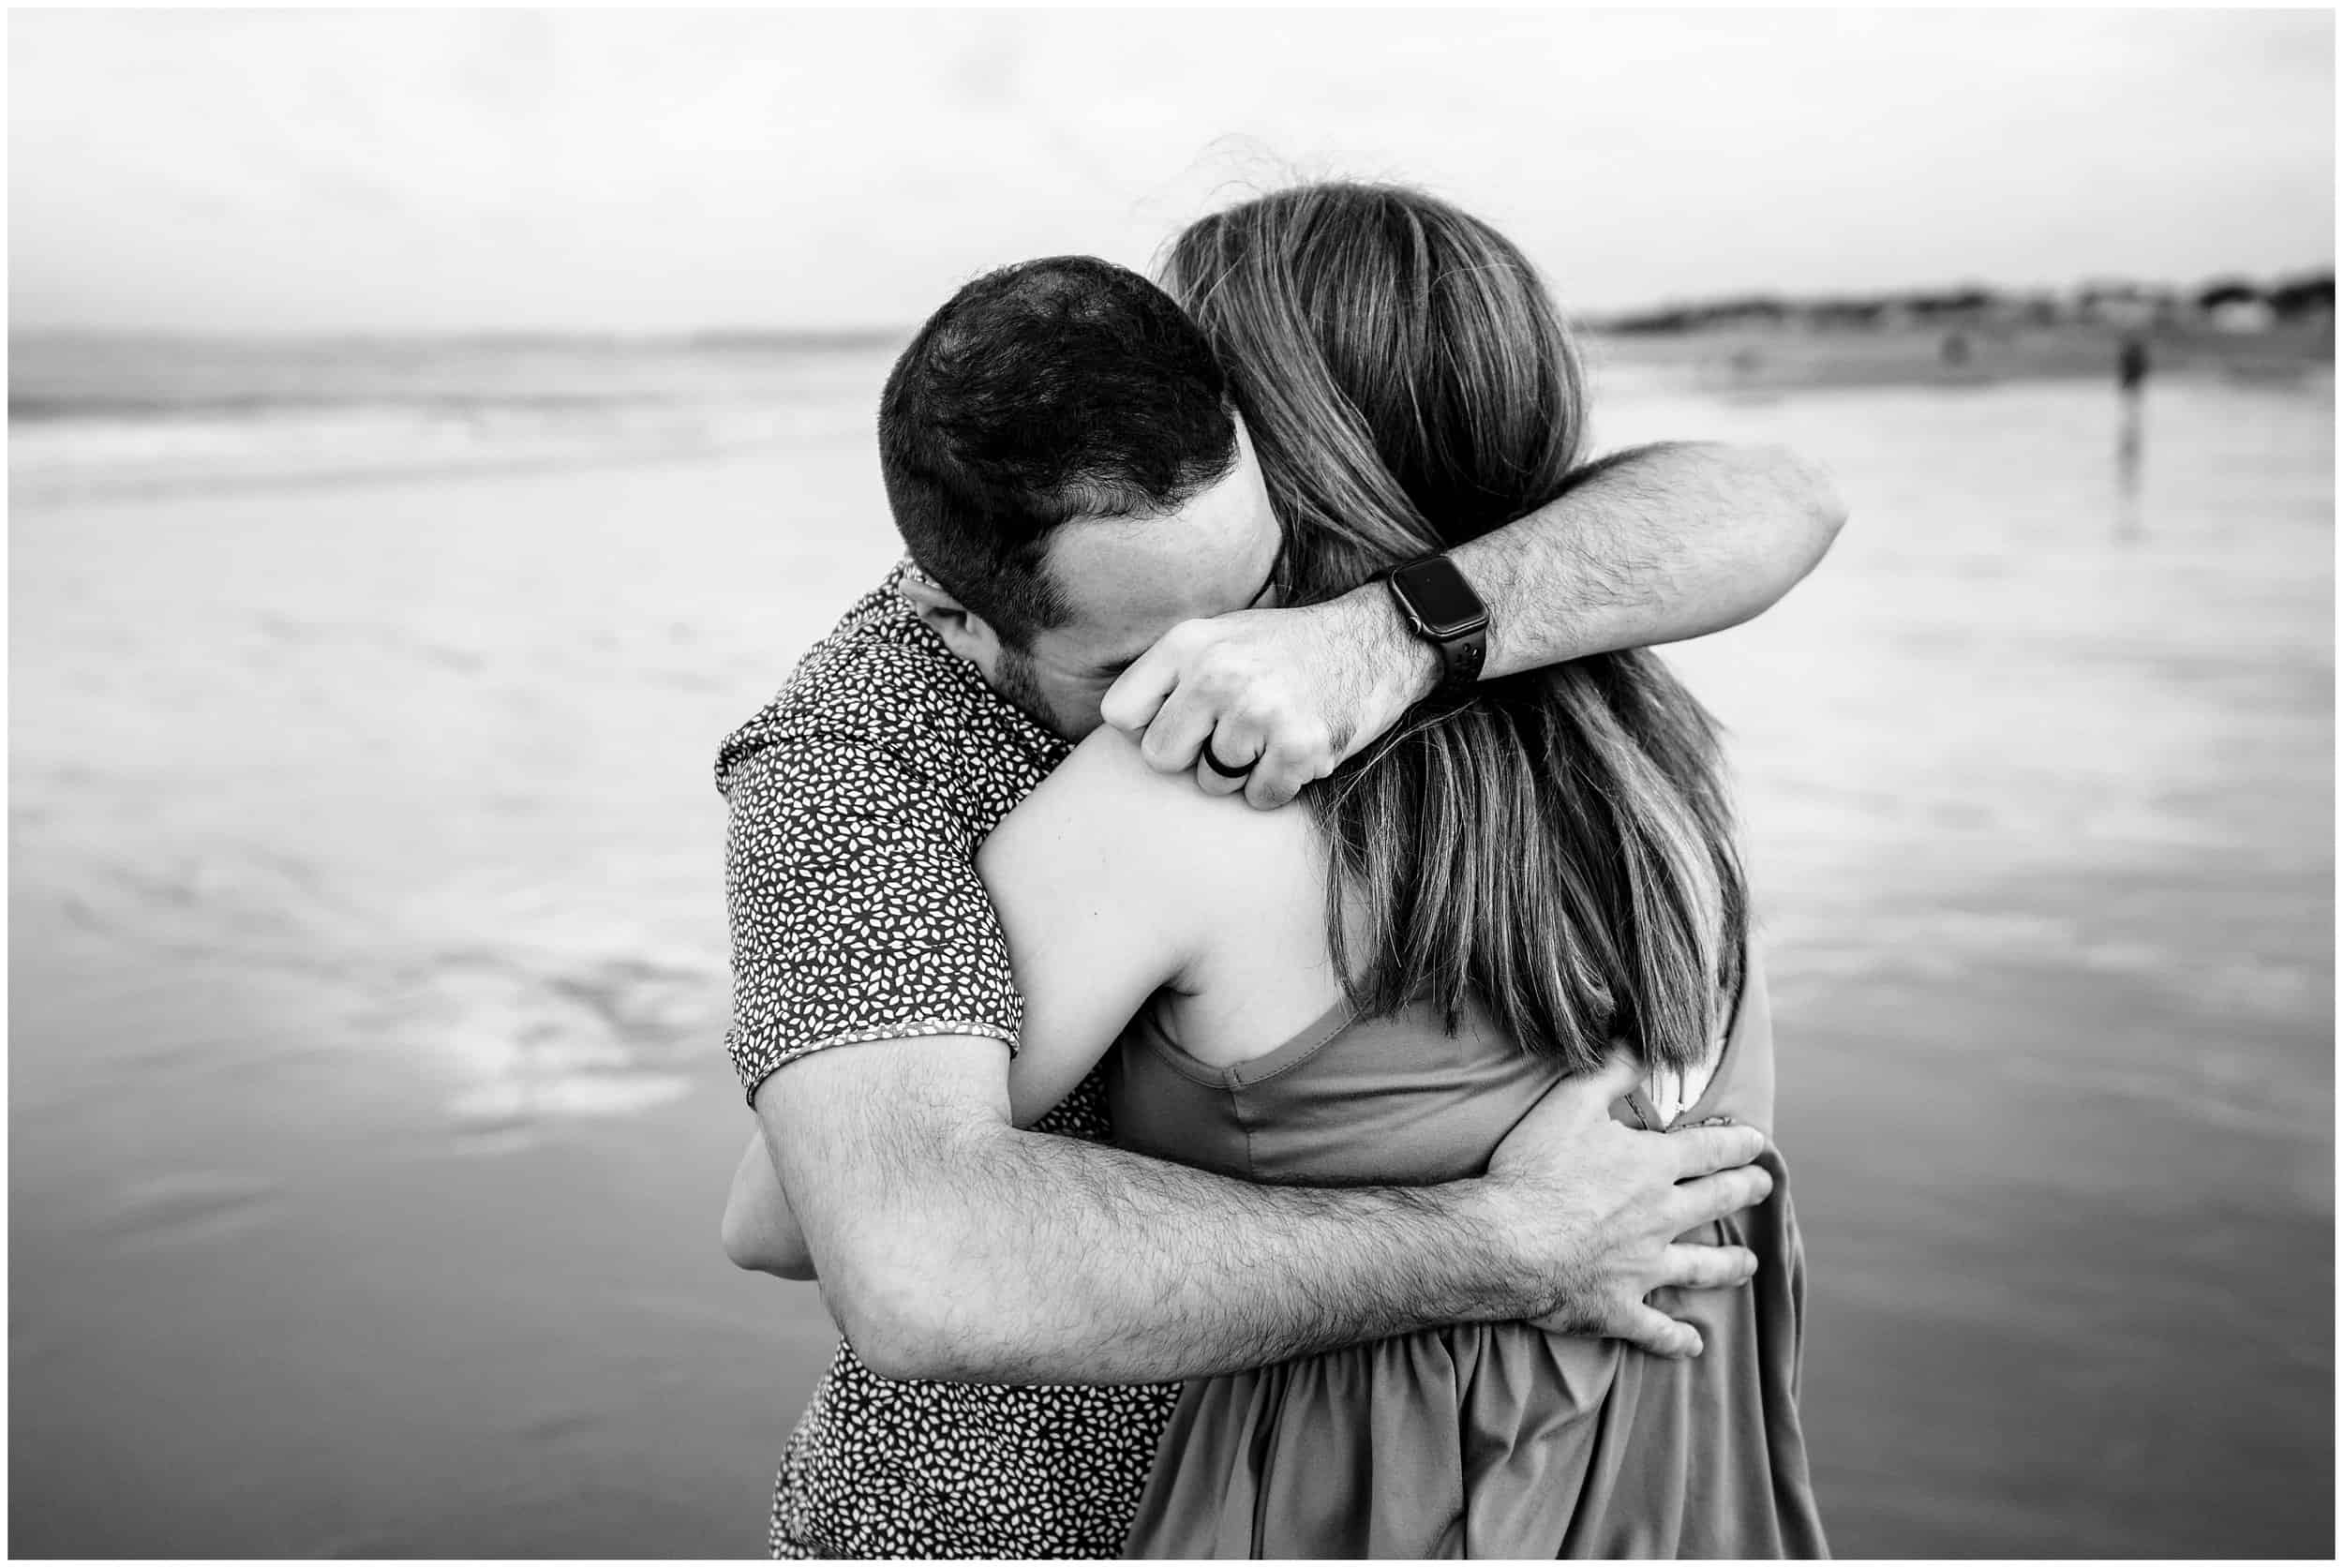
(1461, 658)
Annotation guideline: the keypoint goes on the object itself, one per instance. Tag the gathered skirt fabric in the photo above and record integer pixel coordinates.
(1500, 1441)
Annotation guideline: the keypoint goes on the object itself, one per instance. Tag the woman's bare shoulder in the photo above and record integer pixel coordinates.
(1105, 798)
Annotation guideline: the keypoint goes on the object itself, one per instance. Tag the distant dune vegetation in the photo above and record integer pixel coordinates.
(2232, 327)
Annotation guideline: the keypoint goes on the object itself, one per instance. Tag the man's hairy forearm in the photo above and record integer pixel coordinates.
(960, 1247)
(1655, 544)
(1139, 1271)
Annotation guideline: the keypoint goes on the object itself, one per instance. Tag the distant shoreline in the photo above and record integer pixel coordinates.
(815, 339)
(1731, 359)
(147, 421)
(1723, 358)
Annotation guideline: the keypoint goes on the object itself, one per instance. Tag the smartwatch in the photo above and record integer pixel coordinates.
(1441, 609)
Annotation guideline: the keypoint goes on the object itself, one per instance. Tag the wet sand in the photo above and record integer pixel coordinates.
(370, 1121)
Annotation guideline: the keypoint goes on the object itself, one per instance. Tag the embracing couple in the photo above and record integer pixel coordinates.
(1194, 1174)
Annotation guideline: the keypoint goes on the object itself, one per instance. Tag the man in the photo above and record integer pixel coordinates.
(1094, 542)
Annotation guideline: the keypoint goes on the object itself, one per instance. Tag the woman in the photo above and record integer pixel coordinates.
(1375, 988)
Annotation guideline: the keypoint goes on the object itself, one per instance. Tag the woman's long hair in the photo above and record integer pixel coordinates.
(1558, 845)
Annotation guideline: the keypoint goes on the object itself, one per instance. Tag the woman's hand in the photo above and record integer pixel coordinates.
(760, 1232)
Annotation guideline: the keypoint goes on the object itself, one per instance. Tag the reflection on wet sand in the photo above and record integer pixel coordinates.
(371, 1120)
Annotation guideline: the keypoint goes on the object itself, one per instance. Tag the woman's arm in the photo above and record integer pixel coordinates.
(1094, 877)
(760, 1232)
(1094, 914)
(953, 1245)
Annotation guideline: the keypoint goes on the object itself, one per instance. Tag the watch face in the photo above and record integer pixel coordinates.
(1440, 597)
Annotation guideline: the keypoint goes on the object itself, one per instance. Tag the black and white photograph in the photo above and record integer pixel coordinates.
(1085, 782)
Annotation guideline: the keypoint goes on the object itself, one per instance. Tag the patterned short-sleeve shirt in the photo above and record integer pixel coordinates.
(858, 797)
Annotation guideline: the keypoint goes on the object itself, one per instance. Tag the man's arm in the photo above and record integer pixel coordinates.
(953, 1246)
(1656, 544)
(872, 1002)
(1107, 879)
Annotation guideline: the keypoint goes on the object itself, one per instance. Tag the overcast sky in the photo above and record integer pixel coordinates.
(650, 172)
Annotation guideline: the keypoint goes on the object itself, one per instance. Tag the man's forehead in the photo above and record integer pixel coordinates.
(1123, 575)
(1125, 572)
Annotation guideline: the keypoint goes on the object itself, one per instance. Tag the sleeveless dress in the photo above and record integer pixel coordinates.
(1485, 1439)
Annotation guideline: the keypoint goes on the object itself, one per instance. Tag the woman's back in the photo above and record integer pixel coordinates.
(1344, 1102)
(1257, 1067)
(1479, 1440)
(1552, 850)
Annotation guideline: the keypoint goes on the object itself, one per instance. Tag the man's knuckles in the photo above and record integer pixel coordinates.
(1226, 679)
(1162, 750)
(1242, 664)
(1187, 637)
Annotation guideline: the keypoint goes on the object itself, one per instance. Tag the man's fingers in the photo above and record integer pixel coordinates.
(1697, 1203)
(1651, 1329)
(1132, 703)
(1175, 736)
(1268, 791)
(1235, 742)
(1703, 1150)
(1278, 778)
(1705, 1268)
(1211, 780)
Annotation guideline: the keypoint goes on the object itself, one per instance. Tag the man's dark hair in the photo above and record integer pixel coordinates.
(1044, 392)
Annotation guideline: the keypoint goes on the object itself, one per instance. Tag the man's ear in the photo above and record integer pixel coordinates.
(964, 631)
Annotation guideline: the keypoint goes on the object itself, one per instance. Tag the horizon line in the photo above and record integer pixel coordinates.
(859, 334)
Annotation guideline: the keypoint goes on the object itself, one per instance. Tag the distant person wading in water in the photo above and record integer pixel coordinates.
(2131, 379)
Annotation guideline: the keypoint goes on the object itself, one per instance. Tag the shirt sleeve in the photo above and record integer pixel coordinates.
(856, 912)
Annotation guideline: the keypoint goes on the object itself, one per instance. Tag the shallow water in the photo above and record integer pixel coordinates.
(370, 1121)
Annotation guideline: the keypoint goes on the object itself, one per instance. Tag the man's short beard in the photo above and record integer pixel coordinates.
(1014, 679)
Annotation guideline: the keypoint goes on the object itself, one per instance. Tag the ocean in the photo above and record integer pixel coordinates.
(369, 1117)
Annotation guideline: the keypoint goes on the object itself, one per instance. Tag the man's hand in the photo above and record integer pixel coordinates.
(1603, 1203)
(1290, 691)
(1648, 547)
